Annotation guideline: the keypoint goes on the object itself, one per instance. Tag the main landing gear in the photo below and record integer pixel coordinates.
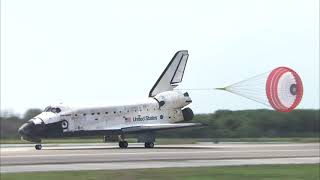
(123, 144)
(38, 147)
(149, 143)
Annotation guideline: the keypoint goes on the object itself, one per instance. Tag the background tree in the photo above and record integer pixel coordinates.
(31, 113)
(221, 124)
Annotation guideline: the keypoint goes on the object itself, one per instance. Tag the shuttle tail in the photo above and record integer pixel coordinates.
(172, 75)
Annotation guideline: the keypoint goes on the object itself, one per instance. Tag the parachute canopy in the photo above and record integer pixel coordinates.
(281, 89)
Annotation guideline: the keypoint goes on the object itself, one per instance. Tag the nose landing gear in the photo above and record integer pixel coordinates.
(38, 147)
(148, 144)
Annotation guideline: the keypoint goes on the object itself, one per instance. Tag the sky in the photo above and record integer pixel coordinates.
(81, 52)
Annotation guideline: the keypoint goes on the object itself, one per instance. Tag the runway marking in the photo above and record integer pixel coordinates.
(151, 153)
(198, 145)
(20, 148)
(154, 164)
(54, 158)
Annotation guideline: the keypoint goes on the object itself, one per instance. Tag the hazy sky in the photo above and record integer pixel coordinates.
(100, 52)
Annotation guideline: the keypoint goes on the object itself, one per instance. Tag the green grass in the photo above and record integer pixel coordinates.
(169, 140)
(265, 172)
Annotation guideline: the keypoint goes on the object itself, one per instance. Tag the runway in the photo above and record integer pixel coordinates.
(58, 157)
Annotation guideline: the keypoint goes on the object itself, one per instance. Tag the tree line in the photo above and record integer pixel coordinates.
(220, 124)
(253, 123)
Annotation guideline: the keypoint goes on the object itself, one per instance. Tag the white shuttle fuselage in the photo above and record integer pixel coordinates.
(163, 109)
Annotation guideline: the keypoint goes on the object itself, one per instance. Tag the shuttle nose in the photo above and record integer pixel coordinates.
(26, 129)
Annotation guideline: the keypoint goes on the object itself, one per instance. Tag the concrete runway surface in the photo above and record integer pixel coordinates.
(62, 157)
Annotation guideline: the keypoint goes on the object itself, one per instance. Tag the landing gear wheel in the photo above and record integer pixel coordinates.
(123, 144)
(38, 147)
(149, 145)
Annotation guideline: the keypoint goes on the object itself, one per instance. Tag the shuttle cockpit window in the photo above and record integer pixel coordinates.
(186, 94)
(52, 109)
(47, 109)
(56, 110)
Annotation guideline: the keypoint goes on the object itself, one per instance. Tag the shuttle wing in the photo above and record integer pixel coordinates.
(172, 75)
(148, 127)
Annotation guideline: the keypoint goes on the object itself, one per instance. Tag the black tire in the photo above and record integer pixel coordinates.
(123, 144)
(149, 145)
(120, 144)
(38, 147)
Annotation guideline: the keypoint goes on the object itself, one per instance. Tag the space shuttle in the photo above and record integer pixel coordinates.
(165, 108)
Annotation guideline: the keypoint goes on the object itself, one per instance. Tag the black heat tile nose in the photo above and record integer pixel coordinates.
(26, 129)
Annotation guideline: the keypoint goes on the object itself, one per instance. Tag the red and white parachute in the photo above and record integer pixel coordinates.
(281, 89)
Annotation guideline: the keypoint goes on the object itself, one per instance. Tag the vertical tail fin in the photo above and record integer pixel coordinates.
(172, 75)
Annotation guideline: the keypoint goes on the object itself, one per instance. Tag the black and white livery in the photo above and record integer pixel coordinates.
(165, 108)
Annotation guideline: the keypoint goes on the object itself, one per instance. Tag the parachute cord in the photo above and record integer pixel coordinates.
(234, 92)
(261, 102)
(196, 89)
(249, 79)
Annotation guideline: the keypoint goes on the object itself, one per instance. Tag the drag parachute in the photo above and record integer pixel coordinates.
(281, 89)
